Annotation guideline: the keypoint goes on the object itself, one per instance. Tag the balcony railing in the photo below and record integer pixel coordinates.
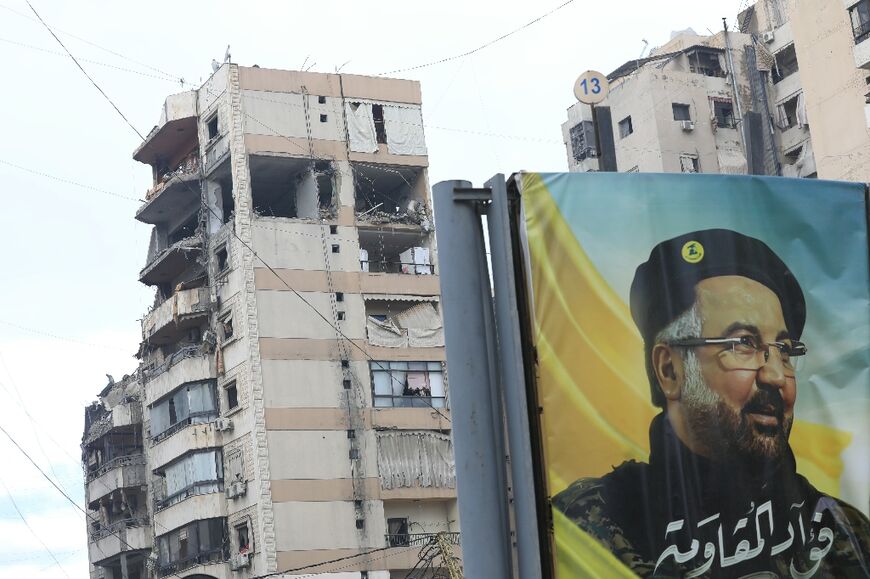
(861, 32)
(418, 539)
(193, 418)
(397, 267)
(188, 166)
(410, 401)
(218, 555)
(117, 462)
(117, 527)
(196, 489)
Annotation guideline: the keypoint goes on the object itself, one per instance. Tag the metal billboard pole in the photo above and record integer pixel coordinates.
(487, 389)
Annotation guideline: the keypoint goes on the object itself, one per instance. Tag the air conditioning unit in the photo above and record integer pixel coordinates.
(768, 37)
(236, 489)
(240, 561)
(223, 424)
(687, 125)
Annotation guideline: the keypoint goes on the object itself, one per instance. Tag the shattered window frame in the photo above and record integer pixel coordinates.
(625, 127)
(859, 15)
(408, 384)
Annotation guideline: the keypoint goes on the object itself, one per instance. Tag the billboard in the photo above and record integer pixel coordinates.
(703, 370)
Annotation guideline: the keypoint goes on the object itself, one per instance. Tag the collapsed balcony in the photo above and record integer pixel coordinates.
(390, 195)
(187, 308)
(173, 252)
(293, 188)
(395, 251)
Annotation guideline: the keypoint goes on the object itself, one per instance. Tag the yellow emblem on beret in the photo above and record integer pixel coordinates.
(693, 252)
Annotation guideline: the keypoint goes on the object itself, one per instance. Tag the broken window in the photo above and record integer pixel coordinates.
(195, 473)
(222, 258)
(390, 194)
(225, 326)
(705, 61)
(192, 403)
(380, 126)
(792, 112)
(786, 63)
(860, 16)
(235, 465)
(232, 391)
(397, 532)
(213, 130)
(292, 187)
(582, 137)
(689, 163)
(408, 384)
(723, 113)
(625, 128)
(681, 112)
(398, 252)
(243, 538)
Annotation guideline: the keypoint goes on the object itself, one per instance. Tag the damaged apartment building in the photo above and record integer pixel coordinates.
(290, 410)
(784, 94)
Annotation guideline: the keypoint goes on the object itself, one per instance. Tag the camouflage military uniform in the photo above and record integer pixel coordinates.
(719, 510)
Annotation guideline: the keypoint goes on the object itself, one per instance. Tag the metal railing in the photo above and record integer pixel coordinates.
(184, 423)
(218, 555)
(397, 267)
(196, 489)
(117, 462)
(410, 401)
(861, 32)
(418, 539)
(113, 528)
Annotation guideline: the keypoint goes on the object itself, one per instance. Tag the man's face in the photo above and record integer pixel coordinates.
(742, 413)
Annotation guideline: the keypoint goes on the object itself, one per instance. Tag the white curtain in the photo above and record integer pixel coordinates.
(801, 111)
(404, 127)
(361, 127)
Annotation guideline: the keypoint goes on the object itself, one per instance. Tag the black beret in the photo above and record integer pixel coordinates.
(664, 285)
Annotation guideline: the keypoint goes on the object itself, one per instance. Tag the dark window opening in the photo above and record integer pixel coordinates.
(351, 433)
(333, 229)
(397, 532)
(339, 296)
(336, 248)
(321, 100)
(582, 137)
(706, 62)
(225, 324)
(232, 395)
(346, 384)
(345, 364)
(380, 126)
(860, 16)
(323, 118)
(791, 157)
(625, 127)
(185, 230)
(788, 113)
(212, 125)
(681, 112)
(340, 315)
(786, 63)
(723, 112)
(243, 538)
(200, 542)
(354, 453)
(222, 259)
(389, 194)
(292, 187)
(360, 523)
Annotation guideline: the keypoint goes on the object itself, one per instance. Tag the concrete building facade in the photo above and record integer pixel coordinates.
(290, 411)
(785, 94)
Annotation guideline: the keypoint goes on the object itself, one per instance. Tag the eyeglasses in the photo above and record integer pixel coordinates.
(748, 353)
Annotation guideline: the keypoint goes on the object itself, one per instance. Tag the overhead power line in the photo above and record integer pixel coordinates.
(59, 41)
(482, 46)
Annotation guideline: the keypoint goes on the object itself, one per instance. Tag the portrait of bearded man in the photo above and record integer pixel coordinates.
(721, 317)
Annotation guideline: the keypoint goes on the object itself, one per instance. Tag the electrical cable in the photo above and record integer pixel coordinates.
(29, 528)
(59, 41)
(69, 182)
(482, 46)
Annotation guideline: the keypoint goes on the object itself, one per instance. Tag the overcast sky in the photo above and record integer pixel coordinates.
(70, 300)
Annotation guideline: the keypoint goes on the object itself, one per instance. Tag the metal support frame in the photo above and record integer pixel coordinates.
(487, 382)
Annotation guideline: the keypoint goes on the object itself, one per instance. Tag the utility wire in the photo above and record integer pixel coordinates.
(482, 46)
(32, 532)
(68, 181)
(93, 82)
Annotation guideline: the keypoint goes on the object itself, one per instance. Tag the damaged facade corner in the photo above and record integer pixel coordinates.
(253, 437)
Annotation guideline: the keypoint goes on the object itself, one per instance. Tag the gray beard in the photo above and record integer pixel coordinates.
(728, 433)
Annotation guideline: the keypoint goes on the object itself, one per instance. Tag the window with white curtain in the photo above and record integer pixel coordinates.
(195, 473)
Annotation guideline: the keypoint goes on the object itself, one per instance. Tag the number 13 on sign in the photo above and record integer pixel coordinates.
(591, 87)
